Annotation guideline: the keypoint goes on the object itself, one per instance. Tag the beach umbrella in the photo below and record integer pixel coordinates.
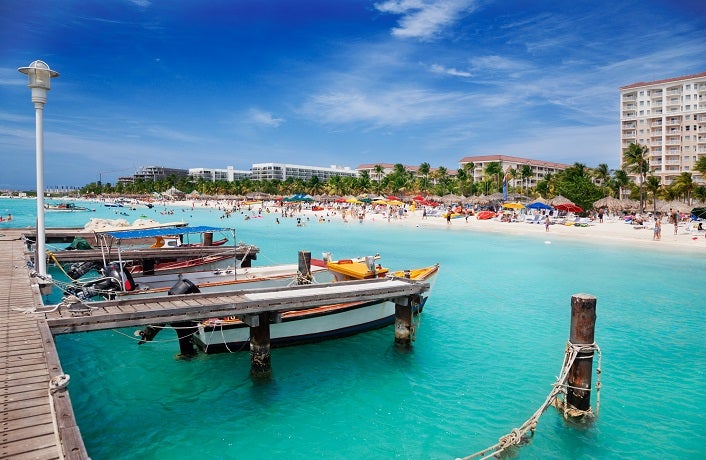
(699, 213)
(560, 200)
(418, 198)
(392, 197)
(568, 207)
(513, 205)
(538, 205)
(610, 203)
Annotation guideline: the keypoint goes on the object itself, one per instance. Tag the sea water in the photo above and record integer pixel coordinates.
(489, 346)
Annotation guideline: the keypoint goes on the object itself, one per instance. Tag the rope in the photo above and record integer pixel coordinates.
(519, 436)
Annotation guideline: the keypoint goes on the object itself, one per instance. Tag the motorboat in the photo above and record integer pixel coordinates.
(65, 207)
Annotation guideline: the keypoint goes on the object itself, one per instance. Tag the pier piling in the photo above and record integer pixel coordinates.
(403, 321)
(304, 268)
(184, 332)
(583, 325)
(260, 359)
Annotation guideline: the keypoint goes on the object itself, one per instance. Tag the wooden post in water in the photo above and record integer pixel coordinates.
(184, 332)
(304, 268)
(583, 326)
(260, 359)
(208, 239)
(403, 322)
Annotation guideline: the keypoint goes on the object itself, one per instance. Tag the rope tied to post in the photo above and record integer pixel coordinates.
(521, 435)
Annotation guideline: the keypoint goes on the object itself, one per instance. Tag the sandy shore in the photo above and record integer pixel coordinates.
(611, 231)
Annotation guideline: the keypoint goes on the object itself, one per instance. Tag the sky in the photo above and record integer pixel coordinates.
(196, 83)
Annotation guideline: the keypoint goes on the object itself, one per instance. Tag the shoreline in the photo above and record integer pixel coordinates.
(611, 231)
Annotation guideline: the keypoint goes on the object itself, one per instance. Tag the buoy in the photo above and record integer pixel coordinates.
(547, 242)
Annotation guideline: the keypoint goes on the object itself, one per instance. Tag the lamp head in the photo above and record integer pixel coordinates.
(40, 76)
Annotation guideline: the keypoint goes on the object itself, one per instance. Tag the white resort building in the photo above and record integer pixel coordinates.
(669, 118)
(281, 171)
(213, 174)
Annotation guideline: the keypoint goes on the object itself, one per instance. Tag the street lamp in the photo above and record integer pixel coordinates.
(40, 76)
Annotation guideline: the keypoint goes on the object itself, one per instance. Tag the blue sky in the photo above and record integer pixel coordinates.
(346, 82)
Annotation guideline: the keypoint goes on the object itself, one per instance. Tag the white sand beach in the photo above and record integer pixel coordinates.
(613, 230)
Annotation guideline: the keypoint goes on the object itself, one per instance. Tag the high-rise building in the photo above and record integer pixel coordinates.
(669, 118)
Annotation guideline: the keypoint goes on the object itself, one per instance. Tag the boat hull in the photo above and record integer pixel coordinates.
(304, 326)
(311, 326)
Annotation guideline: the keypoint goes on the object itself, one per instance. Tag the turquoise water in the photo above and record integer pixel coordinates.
(490, 344)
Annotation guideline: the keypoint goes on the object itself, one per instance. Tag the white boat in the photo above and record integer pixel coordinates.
(318, 323)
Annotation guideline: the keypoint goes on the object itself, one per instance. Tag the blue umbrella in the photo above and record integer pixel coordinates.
(538, 205)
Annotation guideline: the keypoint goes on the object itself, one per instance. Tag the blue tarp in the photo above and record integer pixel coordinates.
(162, 231)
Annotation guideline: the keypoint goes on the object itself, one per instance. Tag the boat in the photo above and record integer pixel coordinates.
(295, 327)
(161, 250)
(485, 215)
(65, 207)
(319, 323)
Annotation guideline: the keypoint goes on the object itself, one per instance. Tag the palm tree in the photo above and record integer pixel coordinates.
(493, 169)
(684, 184)
(424, 169)
(378, 173)
(602, 174)
(700, 166)
(526, 173)
(469, 168)
(636, 161)
(653, 185)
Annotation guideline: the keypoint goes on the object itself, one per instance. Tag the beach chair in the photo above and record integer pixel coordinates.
(532, 219)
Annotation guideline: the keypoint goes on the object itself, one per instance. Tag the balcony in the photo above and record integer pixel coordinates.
(657, 133)
(632, 124)
(673, 91)
(656, 123)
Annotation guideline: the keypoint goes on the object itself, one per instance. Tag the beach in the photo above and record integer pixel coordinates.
(613, 229)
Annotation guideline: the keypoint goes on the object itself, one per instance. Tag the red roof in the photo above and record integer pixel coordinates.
(666, 80)
(511, 159)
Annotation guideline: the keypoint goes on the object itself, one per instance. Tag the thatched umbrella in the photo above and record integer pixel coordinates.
(451, 199)
(560, 200)
(673, 205)
(610, 203)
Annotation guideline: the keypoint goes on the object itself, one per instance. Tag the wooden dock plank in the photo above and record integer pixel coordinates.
(28, 360)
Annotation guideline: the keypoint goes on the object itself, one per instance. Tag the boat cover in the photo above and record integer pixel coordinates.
(163, 231)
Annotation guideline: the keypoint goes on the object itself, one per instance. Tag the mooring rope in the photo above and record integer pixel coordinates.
(520, 435)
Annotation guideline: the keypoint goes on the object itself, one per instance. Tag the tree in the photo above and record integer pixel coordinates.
(494, 170)
(683, 184)
(636, 162)
(700, 166)
(424, 169)
(526, 173)
(653, 185)
(602, 174)
(469, 168)
(379, 170)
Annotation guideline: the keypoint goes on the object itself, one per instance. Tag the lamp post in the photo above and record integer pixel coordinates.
(40, 76)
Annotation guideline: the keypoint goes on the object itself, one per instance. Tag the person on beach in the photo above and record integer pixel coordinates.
(675, 221)
(658, 228)
(448, 217)
(546, 223)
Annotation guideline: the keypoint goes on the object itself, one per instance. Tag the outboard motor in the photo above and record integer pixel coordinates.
(78, 269)
(184, 286)
(98, 287)
(113, 271)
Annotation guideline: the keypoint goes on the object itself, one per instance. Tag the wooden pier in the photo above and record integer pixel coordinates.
(37, 423)
(38, 420)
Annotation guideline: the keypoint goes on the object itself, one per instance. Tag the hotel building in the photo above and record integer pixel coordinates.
(539, 168)
(281, 171)
(669, 118)
(213, 174)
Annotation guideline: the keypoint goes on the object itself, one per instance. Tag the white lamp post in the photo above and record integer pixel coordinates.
(40, 75)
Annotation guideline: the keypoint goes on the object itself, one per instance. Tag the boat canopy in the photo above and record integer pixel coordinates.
(162, 231)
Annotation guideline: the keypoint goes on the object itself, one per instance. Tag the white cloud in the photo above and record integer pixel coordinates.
(260, 117)
(424, 19)
(384, 108)
(436, 68)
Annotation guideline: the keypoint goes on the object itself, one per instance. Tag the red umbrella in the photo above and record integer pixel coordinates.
(418, 198)
(568, 207)
(393, 198)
